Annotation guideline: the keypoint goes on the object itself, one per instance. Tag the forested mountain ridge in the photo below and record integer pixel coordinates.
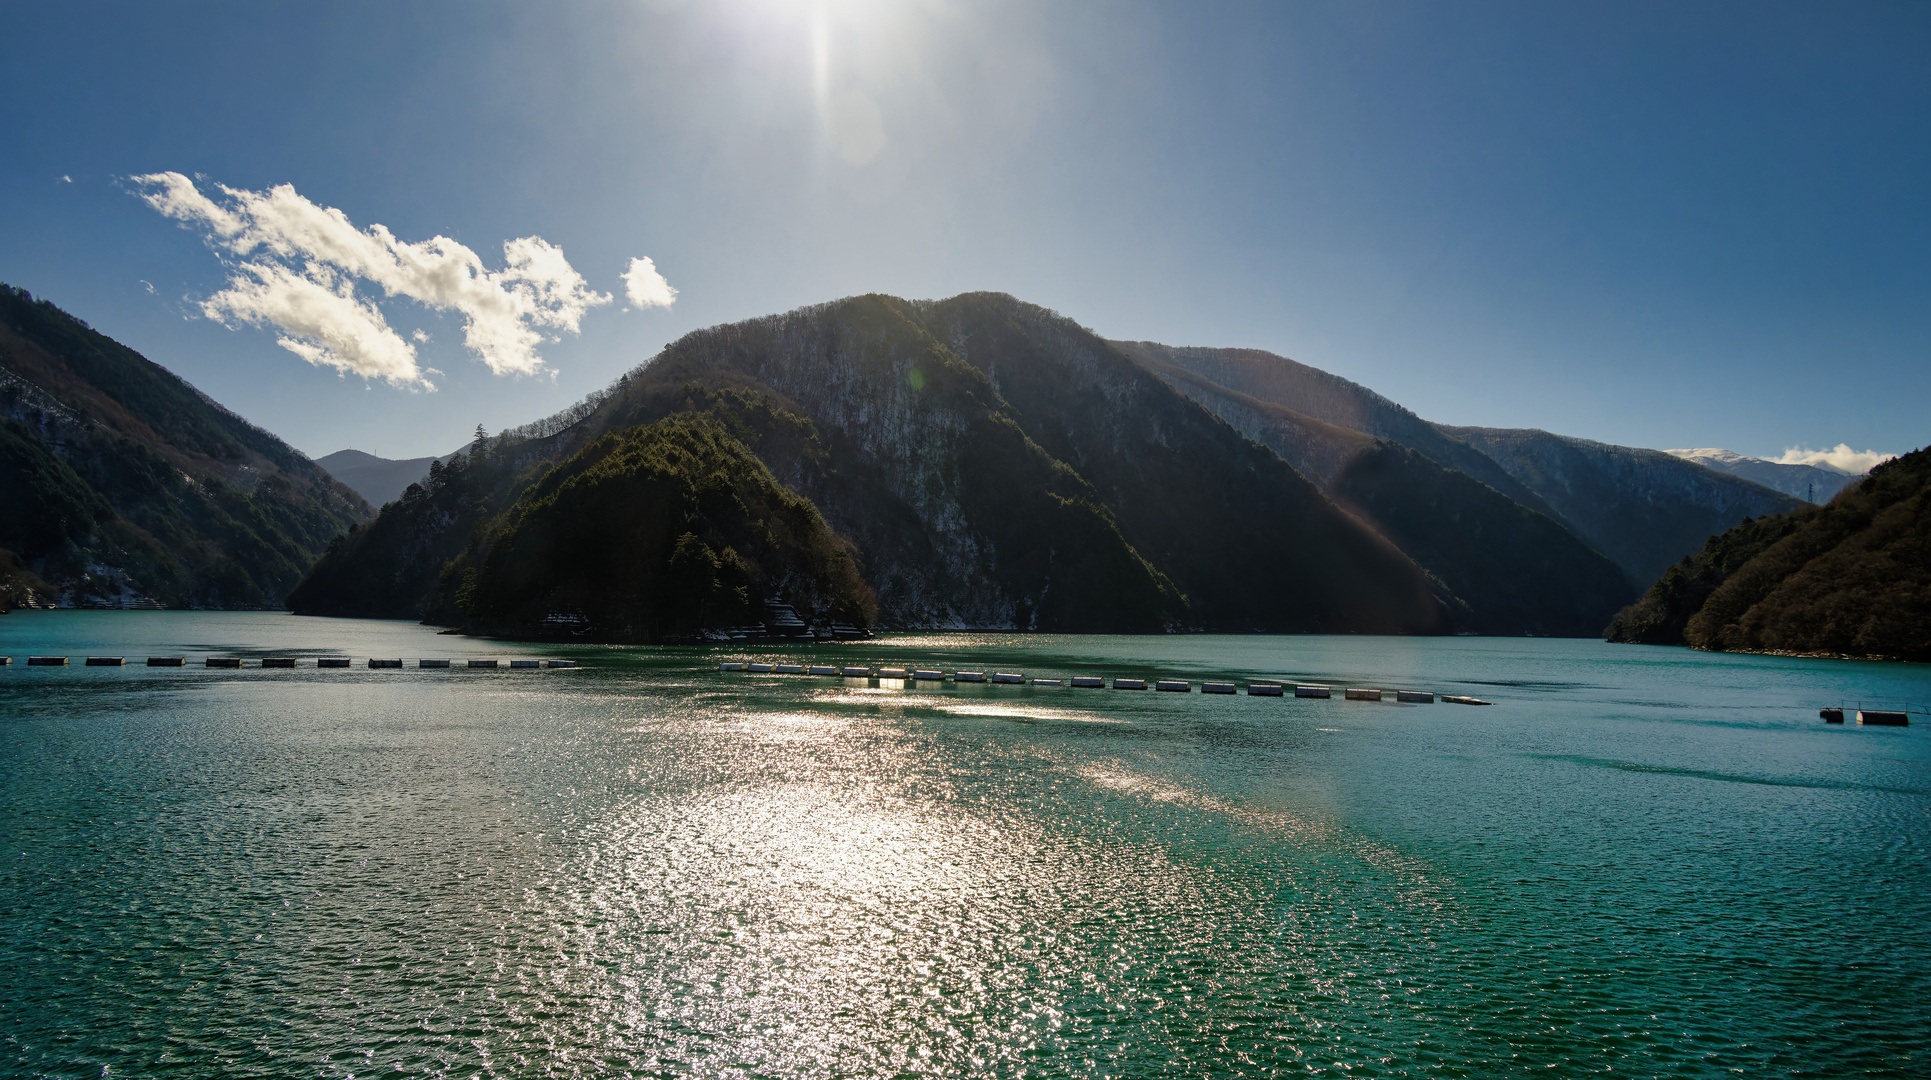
(1852, 578)
(120, 484)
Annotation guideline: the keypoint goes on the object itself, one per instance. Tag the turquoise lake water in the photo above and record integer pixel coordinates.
(1637, 861)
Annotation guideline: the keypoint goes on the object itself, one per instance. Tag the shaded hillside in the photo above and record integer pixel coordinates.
(962, 511)
(119, 482)
(1331, 399)
(377, 479)
(654, 532)
(1851, 578)
(1514, 570)
(1643, 508)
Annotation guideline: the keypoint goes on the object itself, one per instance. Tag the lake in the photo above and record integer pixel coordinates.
(1637, 861)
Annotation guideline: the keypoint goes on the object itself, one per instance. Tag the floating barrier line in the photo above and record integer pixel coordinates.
(294, 662)
(1014, 678)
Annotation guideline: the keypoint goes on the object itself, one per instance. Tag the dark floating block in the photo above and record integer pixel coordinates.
(760, 669)
(106, 661)
(1831, 716)
(891, 673)
(969, 676)
(5, 660)
(289, 661)
(235, 661)
(1174, 686)
(778, 669)
(1313, 691)
(166, 661)
(857, 673)
(342, 661)
(923, 675)
(1090, 681)
(1455, 699)
(1415, 697)
(1046, 682)
(1008, 678)
(46, 661)
(561, 663)
(1356, 693)
(1129, 684)
(730, 667)
(482, 663)
(821, 669)
(1268, 689)
(1883, 718)
(375, 663)
(1219, 688)
(432, 663)
(520, 663)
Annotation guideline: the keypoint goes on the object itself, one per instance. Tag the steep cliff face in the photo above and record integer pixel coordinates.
(1850, 578)
(121, 484)
(1643, 508)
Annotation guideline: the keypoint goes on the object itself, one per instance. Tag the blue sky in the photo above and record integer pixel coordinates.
(1660, 225)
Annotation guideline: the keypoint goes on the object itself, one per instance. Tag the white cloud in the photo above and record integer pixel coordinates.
(1843, 459)
(65, 179)
(646, 287)
(301, 262)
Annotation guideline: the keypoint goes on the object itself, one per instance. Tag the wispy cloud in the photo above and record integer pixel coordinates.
(1842, 458)
(297, 265)
(645, 287)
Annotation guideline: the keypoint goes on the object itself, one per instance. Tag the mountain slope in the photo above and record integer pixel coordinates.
(1807, 482)
(1850, 578)
(1643, 508)
(119, 482)
(377, 479)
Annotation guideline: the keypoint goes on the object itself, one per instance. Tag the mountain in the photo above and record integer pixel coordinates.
(1643, 508)
(1515, 569)
(122, 485)
(994, 465)
(1850, 578)
(377, 479)
(1811, 483)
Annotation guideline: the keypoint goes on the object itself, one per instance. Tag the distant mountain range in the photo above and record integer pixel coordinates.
(1811, 483)
(123, 486)
(378, 480)
(996, 465)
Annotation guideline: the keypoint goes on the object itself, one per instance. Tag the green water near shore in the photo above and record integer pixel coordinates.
(1639, 861)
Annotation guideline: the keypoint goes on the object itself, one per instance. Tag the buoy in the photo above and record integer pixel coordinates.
(289, 661)
(235, 661)
(166, 661)
(1415, 697)
(482, 663)
(1088, 681)
(1216, 688)
(1008, 678)
(1129, 684)
(423, 663)
(375, 663)
(341, 661)
(891, 673)
(523, 663)
(1267, 689)
(1883, 718)
(760, 669)
(821, 669)
(857, 673)
(1046, 682)
(969, 676)
(1313, 691)
(1174, 686)
(106, 661)
(1355, 693)
(562, 663)
(46, 661)
(923, 675)
(1457, 700)
(787, 669)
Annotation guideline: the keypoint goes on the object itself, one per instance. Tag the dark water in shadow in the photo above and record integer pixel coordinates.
(1638, 861)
